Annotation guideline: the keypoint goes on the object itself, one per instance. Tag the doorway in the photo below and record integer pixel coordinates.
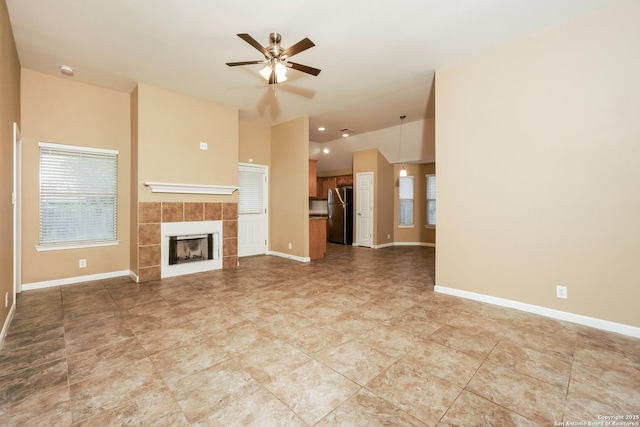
(364, 209)
(253, 199)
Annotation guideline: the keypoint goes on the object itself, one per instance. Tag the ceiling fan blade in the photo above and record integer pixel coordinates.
(235, 64)
(303, 44)
(303, 68)
(254, 43)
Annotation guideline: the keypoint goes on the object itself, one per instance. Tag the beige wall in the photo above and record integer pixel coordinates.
(254, 143)
(289, 188)
(63, 111)
(167, 129)
(373, 161)
(538, 177)
(383, 200)
(9, 113)
(170, 128)
(418, 233)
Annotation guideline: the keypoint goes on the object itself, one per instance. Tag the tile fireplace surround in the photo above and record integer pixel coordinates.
(152, 214)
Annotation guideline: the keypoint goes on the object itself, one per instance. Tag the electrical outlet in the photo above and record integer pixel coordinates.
(388, 236)
(82, 263)
(290, 246)
(204, 146)
(561, 292)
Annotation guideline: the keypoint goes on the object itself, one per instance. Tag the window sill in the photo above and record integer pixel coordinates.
(429, 226)
(406, 226)
(75, 246)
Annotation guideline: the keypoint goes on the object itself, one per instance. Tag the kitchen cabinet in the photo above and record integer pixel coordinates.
(313, 178)
(343, 180)
(317, 237)
(327, 183)
(323, 184)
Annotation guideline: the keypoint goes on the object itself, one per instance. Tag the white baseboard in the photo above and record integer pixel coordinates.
(384, 245)
(7, 323)
(134, 276)
(429, 245)
(289, 256)
(390, 244)
(72, 280)
(606, 325)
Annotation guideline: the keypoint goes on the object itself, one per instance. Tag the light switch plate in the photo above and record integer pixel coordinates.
(204, 146)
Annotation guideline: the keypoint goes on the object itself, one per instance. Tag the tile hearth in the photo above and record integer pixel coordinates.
(358, 338)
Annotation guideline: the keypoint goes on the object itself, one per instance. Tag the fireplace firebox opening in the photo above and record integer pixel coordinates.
(185, 249)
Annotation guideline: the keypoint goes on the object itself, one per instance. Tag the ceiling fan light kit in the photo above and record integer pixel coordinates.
(276, 57)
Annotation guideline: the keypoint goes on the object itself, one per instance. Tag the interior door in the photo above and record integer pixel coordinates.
(252, 209)
(364, 209)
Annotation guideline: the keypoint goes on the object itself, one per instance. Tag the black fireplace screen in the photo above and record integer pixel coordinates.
(183, 249)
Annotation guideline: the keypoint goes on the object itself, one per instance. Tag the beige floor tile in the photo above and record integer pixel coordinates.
(313, 390)
(24, 383)
(536, 400)
(260, 408)
(472, 410)
(121, 386)
(269, 359)
(443, 362)
(609, 386)
(365, 409)
(356, 360)
(208, 391)
(104, 359)
(475, 342)
(389, 340)
(537, 365)
(422, 395)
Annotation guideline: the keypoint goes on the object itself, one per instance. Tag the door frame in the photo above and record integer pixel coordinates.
(16, 200)
(265, 196)
(355, 213)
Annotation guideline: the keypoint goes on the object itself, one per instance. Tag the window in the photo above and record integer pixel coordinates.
(406, 201)
(431, 200)
(250, 194)
(78, 196)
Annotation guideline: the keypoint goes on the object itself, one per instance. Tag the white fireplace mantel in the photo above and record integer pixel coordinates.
(170, 187)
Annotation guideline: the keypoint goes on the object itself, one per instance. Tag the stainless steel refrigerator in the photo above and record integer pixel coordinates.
(340, 221)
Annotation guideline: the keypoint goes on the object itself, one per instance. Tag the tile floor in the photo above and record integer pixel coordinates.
(356, 339)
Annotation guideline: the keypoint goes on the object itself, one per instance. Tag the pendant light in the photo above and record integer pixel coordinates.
(403, 171)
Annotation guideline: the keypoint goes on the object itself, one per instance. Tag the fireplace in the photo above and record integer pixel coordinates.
(190, 247)
(193, 248)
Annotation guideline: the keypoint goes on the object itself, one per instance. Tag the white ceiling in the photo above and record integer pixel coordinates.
(377, 57)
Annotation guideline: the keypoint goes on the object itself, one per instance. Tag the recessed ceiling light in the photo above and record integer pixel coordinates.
(325, 150)
(321, 129)
(344, 135)
(66, 70)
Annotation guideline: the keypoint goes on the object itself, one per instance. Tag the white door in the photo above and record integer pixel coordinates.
(364, 209)
(252, 209)
(16, 199)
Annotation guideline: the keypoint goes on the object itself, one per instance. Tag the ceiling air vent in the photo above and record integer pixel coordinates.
(346, 132)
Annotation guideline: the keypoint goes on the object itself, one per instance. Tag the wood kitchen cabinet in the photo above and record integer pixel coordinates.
(317, 237)
(323, 184)
(344, 180)
(327, 183)
(313, 178)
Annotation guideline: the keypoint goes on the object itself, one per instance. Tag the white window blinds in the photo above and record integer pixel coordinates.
(431, 200)
(78, 195)
(406, 200)
(250, 192)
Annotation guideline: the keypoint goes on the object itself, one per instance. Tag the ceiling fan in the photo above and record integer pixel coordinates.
(276, 58)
